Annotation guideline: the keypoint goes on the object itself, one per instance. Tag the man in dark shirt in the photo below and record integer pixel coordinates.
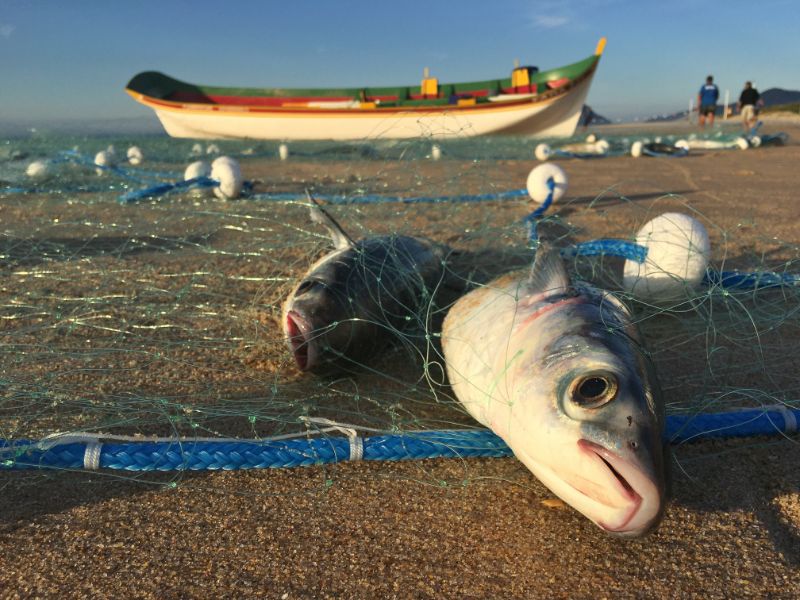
(707, 101)
(748, 101)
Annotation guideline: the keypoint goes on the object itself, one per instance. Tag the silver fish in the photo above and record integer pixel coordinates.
(558, 372)
(352, 302)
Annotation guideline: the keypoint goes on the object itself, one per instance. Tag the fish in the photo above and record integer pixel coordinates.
(356, 299)
(558, 371)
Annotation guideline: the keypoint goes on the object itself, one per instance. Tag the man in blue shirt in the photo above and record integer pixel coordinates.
(707, 101)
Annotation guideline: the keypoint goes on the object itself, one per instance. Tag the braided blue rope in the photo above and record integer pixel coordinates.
(165, 188)
(183, 455)
(188, 455)
(533, 218)
(607, 247)
(730, 280)
(750, 281)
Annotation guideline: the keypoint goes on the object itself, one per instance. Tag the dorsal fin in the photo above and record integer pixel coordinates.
(548, 274)
(338, 235)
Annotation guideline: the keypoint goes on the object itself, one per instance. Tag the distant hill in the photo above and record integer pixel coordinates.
(588, 116)
(775, 96)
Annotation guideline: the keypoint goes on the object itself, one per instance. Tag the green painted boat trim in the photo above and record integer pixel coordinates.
(160, 86)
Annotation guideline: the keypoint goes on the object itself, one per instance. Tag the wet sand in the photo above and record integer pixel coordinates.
(481, 528)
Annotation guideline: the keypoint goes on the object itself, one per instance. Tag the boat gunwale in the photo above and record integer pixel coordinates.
(253, 109)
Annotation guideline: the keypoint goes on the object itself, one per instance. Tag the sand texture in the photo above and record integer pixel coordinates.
(480, 528)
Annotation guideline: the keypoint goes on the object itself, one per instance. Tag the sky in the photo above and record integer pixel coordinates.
(71, 59)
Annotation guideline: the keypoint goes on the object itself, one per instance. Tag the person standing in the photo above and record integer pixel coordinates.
(748, 101)
(707, 101)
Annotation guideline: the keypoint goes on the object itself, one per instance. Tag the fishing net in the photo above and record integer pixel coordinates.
(162, 317)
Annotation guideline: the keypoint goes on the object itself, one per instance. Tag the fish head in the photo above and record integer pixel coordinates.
(590, 425)
(324, 320)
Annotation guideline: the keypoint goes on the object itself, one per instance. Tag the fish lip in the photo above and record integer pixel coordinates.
(615, 465)
(298, 332)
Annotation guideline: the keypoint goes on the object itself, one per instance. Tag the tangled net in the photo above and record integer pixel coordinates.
(163, 317)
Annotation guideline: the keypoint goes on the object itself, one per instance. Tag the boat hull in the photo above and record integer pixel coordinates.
(553, 118)
(197, 112)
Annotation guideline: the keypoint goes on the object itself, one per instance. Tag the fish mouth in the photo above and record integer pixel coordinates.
(298, 332)
(634, 503)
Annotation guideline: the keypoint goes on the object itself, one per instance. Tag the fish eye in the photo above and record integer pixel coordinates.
(594, 390)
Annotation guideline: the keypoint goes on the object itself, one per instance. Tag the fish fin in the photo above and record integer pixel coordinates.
(338, 235)
(548, 274)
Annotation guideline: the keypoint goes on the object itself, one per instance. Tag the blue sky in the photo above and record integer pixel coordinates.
(72, 58)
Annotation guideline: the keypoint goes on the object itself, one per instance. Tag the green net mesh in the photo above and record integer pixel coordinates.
(163, 317)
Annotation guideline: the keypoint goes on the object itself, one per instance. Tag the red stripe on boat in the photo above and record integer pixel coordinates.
(250, 100)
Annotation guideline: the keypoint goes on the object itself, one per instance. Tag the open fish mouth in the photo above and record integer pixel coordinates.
(633, 498)
(298, 331)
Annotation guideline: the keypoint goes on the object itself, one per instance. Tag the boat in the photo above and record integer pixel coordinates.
(530, 102)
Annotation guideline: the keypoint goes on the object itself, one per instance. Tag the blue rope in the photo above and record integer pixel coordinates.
(754, 130)
(750, 281)
(647, 150)
(377, 199)
(777, 139)
(188, 455)
(165, 188)
(607, 247)
(533, 218)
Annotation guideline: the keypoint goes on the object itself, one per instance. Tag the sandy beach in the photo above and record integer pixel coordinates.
(478, 528)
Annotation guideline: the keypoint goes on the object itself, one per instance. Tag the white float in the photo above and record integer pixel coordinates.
(602, 146)
(197, 149)
(537, 184)
(135, 156)
(591, 138)
(105, 159)
(226, 170)
(199, 168)
(682, 144)
(436, 152)
(39, 169)
(542, 152)
(212, 149)
(678, 251)
(636, 149)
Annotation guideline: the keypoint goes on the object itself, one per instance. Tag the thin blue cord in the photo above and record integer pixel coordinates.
(377, 199)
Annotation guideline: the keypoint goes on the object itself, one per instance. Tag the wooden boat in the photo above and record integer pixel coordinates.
(530, 102)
